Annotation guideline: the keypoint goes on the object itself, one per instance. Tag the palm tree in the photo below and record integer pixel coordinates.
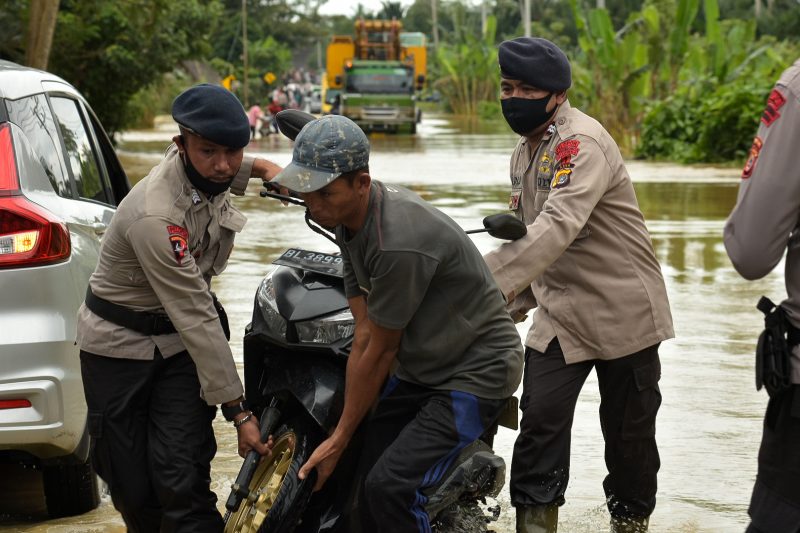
(390, 10)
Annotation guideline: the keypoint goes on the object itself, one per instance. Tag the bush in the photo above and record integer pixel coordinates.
(705, 126)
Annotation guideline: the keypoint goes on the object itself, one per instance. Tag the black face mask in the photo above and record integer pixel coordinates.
(202, 183)
(524, 114)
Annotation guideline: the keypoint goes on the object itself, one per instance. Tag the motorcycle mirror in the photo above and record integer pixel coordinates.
(291, 121)
(503, 226)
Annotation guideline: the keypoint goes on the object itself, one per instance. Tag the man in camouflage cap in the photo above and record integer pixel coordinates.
(422, 297)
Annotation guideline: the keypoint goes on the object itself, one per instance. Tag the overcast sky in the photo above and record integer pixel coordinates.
(348, 7)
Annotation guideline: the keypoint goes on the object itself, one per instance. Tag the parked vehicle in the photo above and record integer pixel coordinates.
(60, 182)
(295, 357)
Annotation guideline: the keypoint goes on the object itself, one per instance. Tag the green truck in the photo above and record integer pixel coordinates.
(374, 79)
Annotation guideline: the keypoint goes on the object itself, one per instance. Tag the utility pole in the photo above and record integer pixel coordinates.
(526, 21)
(435, 24)
(244, 52)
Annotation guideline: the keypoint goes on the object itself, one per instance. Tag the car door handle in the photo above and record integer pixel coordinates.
(99, 228)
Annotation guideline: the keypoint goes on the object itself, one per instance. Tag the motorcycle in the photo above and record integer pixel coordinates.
(295, 357)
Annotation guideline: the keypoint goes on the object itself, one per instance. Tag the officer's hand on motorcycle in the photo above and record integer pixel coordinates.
(249, 437)
(265, 169)
(324, 459)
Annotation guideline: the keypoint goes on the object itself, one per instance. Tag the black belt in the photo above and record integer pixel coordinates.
(141, 321)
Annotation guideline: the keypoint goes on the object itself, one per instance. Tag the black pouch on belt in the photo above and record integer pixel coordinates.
(773, 351)
(223, 317)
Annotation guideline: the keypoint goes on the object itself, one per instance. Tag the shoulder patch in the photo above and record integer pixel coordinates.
(568, 148)
(561, 178)
(752, 158)
(565, 151)
(774, 103)
(178, 237)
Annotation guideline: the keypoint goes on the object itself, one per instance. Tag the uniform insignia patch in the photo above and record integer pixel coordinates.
(513, 201)
(195, 197)
(544, 163)
(516, 181)
(566, 151)
(561, 179)
(774, 103)
(543, 183)
(750, 165)
(178, 236)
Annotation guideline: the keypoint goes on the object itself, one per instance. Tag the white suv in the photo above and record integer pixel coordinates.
(60, 181)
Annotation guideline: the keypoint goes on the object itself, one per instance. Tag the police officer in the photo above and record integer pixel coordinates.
(588, 266)
(155, 359)
(426, 311)
(760, 229)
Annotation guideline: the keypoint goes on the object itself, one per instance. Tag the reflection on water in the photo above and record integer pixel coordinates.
(710, 420)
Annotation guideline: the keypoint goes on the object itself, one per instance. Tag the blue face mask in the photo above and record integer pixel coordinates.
(526, 114)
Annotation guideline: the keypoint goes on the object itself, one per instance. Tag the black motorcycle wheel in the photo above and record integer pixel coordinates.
(461, 517)
(278, 496)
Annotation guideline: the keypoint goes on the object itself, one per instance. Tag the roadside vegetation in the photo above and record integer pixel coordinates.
(680, 80)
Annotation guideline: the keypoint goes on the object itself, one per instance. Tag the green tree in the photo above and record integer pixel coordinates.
(110, 50)
(469, 70)
(13, 20)
(390, 10)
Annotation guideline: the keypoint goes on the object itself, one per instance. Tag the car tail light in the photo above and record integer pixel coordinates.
(29, 234)
(14, 404)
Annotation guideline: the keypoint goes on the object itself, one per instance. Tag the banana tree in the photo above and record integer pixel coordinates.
(470, 70)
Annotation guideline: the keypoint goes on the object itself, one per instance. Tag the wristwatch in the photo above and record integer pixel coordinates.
(230, 411)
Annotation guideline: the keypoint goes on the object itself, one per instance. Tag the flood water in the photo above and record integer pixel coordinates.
(709, 425)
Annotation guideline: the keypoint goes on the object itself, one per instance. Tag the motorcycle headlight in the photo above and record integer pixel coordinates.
(327, 329)
(269, 308)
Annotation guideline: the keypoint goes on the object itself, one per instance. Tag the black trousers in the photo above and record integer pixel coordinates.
(411, 439)
(152, 441)
(775, 504)
(630, 399)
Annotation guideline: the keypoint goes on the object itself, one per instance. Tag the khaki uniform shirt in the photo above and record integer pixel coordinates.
(764, 224)
(165, 242)
(587, 260)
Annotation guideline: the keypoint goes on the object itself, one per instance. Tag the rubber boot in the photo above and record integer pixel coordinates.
(537, 519)
(629, 525)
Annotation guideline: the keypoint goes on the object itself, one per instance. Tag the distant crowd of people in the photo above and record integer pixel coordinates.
(295, 92)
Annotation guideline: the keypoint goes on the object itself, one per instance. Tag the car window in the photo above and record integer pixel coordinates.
(81, 154)
(120, 186)
(33, 116)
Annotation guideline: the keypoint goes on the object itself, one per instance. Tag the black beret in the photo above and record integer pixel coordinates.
(214, 113)
(535, 61)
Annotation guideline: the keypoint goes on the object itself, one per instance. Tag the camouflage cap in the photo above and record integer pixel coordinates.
(324, 149)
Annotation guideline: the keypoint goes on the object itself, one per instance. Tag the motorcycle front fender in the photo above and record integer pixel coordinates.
(317, 385)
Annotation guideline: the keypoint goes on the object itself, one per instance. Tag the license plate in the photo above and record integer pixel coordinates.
(319, 262)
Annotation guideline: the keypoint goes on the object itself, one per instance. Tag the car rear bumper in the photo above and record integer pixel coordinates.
(40, 362)
(48, 376)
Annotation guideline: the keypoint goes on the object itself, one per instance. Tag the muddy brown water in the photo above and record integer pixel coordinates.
(709, 425)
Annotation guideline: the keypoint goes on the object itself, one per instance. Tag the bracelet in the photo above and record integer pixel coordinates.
(242, 420)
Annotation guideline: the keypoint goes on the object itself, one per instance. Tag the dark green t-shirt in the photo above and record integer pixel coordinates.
(421, 273)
